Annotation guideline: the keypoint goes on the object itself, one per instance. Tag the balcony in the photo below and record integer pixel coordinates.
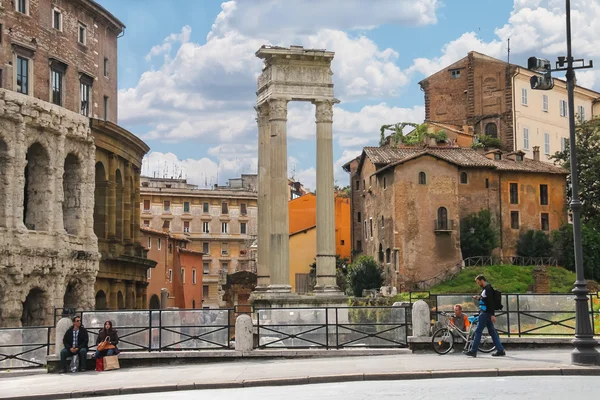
(443, 226)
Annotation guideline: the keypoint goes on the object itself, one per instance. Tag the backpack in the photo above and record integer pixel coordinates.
(497, 300)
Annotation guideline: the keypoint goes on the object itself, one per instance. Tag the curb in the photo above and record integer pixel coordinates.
(306, 380)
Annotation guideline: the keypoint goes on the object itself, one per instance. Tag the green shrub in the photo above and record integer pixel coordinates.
(534, 244)
(364, 274)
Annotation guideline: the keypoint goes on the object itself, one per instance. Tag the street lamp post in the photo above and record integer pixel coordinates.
(584, 352)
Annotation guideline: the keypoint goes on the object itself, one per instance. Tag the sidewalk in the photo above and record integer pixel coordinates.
(260, 372)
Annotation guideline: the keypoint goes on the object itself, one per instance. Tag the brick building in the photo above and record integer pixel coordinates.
(407, 203)
(67, 226)
(178, 269)
(220, 223)
(479, 94)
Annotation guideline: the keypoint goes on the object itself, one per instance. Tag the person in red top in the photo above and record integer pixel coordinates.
(460, 320)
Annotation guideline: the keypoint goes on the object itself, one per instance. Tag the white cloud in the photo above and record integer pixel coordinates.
(275, 18)
(165, 46)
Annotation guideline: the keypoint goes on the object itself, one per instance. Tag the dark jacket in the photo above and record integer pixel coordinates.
(113, 334)
(82, 339)
(489, 300)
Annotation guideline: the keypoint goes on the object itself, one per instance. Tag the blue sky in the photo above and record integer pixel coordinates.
(187, 74)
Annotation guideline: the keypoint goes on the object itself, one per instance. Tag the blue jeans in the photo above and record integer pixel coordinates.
(102, 354)
(485, 320)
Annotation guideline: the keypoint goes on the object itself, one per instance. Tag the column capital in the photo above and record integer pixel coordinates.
(278, 109)
(262, 114)
(324, 109)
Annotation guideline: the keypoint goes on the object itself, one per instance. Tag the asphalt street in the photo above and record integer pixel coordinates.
(525, 388)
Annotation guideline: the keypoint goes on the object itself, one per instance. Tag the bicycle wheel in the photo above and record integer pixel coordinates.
(442, 341)
(487, 344)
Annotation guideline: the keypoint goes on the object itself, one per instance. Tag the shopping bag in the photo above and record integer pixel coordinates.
(111, 362)
(99, 364)
(74, 362)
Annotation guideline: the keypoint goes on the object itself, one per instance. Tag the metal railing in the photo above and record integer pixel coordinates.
(522, 314)
(510, 260)
(332, 327)
(24, 347)
(443, 225)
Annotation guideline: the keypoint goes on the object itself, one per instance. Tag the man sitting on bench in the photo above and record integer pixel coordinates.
(76, 343)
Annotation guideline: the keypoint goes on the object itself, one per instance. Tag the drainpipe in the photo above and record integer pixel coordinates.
(501, 222)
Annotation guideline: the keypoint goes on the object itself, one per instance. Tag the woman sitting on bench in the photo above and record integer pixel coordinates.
(110, 335)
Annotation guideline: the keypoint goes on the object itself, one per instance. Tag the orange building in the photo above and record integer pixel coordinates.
(178, 269)
(303, 236)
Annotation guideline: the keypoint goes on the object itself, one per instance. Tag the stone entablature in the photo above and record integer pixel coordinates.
(48, 250)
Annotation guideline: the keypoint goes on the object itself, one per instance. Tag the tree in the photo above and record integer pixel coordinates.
(478, 235)
(534, 244)
(562, 247)
(587, 141)
(413, 138)
(364, 274)
(341, 270)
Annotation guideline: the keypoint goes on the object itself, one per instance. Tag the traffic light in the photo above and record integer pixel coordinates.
(545, 81)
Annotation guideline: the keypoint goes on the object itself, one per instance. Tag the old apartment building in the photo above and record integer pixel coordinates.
(407, 204)
(220, 223)
(483, 95)
(58, 207)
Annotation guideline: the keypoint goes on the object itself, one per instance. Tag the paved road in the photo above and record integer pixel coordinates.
(517, 388)
(252, 370)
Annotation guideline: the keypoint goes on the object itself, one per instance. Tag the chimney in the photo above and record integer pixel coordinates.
(536, 153)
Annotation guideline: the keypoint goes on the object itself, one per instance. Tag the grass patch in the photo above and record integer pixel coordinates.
(506, 278)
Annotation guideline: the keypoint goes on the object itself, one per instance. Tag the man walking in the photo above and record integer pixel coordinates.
(76, 343)
(487, 318)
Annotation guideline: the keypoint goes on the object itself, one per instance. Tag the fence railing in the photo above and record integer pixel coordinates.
(332, 327)
(509, 260)
(24, 347)
(522, 314)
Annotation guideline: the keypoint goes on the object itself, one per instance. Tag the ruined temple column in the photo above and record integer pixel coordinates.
(127, 204)
(111, 206)
(326, 273)
(264, 184)
(279, 243)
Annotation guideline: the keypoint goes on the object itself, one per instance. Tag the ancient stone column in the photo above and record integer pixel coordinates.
(326, 274)
(127, 204)
(129, 295)
(279, 243)
(111, 206)
(136, 205)
(264, 184)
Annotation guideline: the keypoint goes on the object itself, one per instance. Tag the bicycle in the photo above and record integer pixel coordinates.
(443, 339)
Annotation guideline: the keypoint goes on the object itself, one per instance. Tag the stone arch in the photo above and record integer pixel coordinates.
(34, 308)
(119, 204)
(101, 303)
(491, 129)
(154, 302)
(120, 301)
(37, 199)
(442, 218)
(380, 252)
(388, 255)
(100, 201)
(4, 181)
(72, 181)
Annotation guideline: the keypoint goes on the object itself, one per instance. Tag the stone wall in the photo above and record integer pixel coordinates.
(48, 250)
(34, 37)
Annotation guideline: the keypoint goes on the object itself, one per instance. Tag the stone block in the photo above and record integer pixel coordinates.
(421, 322)
(61, 328)
(244, 340)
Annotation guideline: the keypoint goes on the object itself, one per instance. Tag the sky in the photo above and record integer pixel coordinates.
(188, 70)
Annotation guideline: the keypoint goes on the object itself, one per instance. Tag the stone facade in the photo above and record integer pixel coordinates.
(122, 280)
(48, 250)
(221, 223)
(34, 37)
(407, 204)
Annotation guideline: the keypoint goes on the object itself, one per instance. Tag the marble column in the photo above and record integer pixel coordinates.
(264, 184)
(326, 272)
(111, 206)
(279, 243)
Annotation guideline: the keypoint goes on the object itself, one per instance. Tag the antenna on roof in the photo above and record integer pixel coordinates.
(508, 61)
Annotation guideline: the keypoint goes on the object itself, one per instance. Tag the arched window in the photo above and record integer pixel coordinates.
(422, 178)
(38, 194)
(491, 130)
(382, 224)
(100, 203)
(388, 255)
(101, 300)
(442, 222)
(464, 178)
(72, 178)
(155, 302)
(380, 252)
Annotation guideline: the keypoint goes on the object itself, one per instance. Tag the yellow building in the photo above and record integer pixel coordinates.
(221, 223)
